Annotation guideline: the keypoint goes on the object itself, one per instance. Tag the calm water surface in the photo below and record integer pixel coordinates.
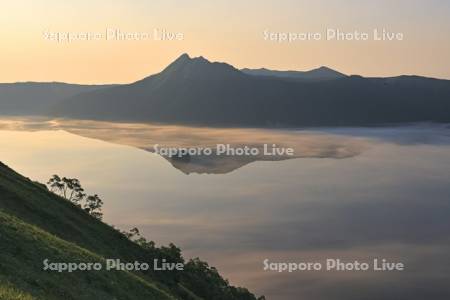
(354, 194)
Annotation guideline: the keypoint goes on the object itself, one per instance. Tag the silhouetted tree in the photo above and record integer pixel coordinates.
(93, 206)
(135, 236)
(70, 189)
(197, 276)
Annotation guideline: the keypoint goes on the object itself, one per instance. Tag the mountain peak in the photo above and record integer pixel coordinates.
(200, 58)
(325, 68)
(325, 73)
(199, 67)
(186, 58)
(183, 56)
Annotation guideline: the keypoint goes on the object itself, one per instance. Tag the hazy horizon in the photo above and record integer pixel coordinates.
(240, 69)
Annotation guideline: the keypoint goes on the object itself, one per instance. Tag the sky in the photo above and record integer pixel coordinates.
(241, 33)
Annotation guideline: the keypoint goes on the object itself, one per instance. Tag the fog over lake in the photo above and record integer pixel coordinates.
(349, 193)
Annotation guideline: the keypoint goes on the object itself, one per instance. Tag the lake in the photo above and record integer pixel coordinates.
(348, 194)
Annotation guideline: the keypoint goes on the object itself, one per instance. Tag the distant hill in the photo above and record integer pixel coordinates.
(322, 73)
(36, 98)
(36, 225)
(196, 91)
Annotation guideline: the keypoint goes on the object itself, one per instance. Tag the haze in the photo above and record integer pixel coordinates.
(230, 31)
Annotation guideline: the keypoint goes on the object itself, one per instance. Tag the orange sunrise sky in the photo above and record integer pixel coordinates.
(229, 31)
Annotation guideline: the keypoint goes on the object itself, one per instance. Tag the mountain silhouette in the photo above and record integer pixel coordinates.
(36, 98)
(196, 91)
(322, 73)
(199, 92)
(185, 67)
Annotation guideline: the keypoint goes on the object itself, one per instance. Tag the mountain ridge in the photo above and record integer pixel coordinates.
(195, 91)
(320, 73)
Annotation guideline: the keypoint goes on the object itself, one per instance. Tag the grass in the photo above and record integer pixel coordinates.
(36, 224)
(23, 248)
(8, 291)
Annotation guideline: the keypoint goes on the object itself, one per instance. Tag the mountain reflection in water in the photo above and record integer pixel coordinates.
(305, 144)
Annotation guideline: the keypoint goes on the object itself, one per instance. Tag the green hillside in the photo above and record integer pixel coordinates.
(36, 225)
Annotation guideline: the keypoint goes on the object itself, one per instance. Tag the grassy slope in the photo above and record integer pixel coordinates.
(35, 224)
(21, 251)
